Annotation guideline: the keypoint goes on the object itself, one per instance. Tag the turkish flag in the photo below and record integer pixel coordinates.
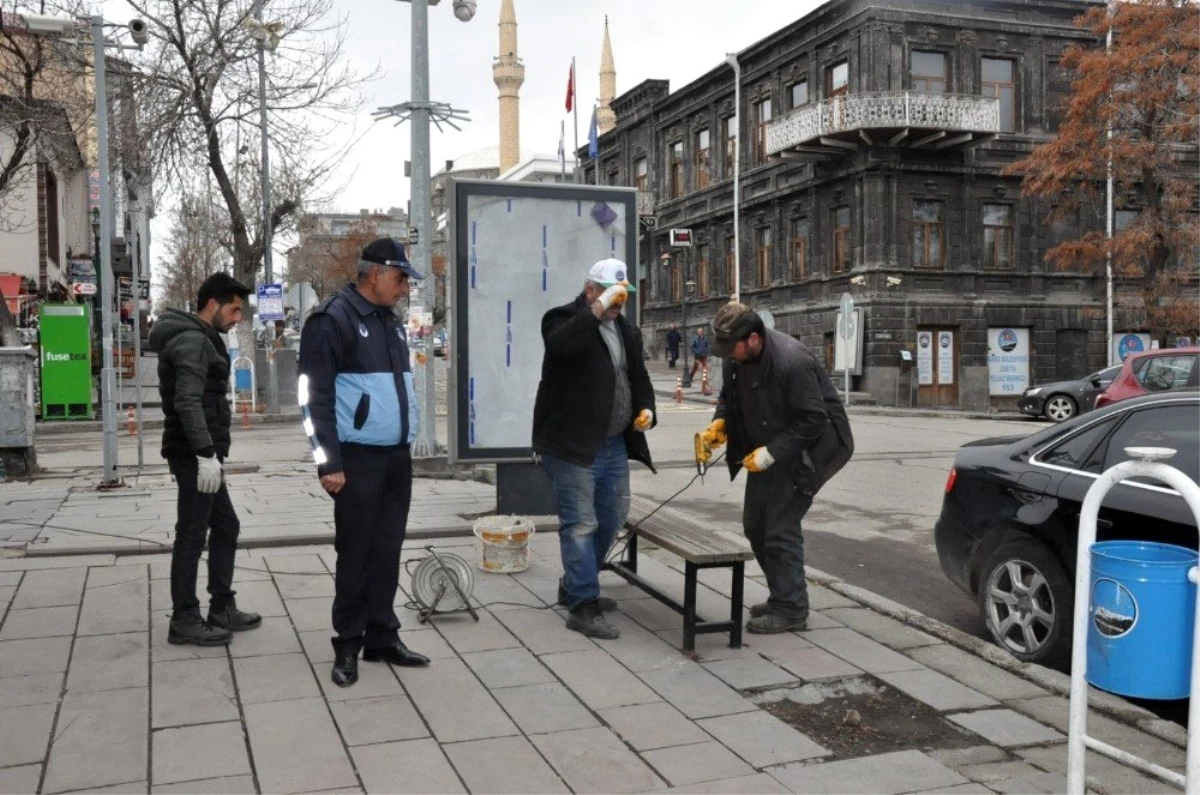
(571, 87)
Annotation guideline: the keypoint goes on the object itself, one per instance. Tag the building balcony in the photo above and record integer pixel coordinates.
(900, 119)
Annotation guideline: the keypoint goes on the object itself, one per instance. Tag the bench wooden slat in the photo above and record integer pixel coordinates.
(672, 532)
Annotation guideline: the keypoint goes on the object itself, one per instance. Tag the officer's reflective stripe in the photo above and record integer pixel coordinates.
(302, 393)
(309, 430)
(319, 456)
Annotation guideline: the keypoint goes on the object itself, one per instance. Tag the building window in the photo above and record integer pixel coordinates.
(676, 279)
(702, 281)
(52, 211)
(929, 72)
(762, 116)
(703, 159)
(641, 174)
(730, 264)
(841, 239)
(997, 235)
(676, 166)
(799, 252)
(730, 144)
(928, 234)
(799, 94)
(1123, 219)
(763, 260)
(837, 79)
(998, 82)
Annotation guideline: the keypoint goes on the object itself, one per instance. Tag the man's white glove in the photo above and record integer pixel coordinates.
(759, 460)
(613, 296)
(208, 477)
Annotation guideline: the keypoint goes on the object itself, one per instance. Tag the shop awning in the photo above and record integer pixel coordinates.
(10, 285)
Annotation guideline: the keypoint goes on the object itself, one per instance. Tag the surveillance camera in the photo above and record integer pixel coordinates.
(464, 10)
(892, 281)
(860, 280)
(139, 32)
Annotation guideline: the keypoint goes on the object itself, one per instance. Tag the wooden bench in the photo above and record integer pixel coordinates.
(700, 549)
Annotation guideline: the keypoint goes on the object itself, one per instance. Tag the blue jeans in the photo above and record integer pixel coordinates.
(593, 503)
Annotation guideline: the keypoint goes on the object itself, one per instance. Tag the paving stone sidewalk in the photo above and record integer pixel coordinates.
(93, 698)
(276, 508)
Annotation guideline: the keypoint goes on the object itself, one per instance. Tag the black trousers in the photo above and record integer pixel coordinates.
(196, 515)
(771, 518)
(371, 515)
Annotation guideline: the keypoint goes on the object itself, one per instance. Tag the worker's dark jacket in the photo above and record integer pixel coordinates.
(800, 410)
(575, 396)
(193, 380)
(356, 385)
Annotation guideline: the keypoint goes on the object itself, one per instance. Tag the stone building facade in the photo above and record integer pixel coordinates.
(873, 136)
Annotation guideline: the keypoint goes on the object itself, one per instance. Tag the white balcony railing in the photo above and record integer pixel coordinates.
(884, 110)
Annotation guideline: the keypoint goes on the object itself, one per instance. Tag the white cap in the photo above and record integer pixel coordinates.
(608, 272)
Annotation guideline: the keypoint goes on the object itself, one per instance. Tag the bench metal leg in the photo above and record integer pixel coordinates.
(735, 615)
(689, 606)
(631, 552)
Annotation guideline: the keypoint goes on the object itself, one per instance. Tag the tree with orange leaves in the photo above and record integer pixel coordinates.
(1145, 88)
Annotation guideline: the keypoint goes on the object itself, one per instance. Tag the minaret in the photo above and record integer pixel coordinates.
(509, 73)
(605, 118)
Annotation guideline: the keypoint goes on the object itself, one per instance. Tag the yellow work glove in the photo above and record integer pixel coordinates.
(758, 461)
(711, 437)
(644, 420)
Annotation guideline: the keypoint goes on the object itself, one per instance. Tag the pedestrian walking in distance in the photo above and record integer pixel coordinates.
(360, 409)
(193, 382)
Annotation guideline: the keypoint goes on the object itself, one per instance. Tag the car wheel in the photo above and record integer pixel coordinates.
(1059, 408)
(1025, 600)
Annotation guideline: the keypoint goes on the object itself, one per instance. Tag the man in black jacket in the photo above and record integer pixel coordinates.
(594, 405)
(360, 413)
(785, 424)
(193, 375)
(674, 338)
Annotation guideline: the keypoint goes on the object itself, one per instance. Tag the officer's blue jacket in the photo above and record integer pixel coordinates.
(356, 385)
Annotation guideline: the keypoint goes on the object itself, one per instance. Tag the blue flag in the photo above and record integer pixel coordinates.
(593, 138)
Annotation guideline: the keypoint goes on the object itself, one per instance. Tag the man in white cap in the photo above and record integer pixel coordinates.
(594, 404)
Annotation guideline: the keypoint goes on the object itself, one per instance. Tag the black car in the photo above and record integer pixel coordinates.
(1062, 400)
(1010, 516)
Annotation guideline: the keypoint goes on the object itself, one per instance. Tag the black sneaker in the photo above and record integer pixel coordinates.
(773, 623)
(198, 632)
(233, 619)
(606, 604)
(588, 620)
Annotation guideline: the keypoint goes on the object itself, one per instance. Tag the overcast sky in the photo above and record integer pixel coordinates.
(677, 40)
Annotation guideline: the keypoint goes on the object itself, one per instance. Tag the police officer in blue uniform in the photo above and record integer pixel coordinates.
(360, 409)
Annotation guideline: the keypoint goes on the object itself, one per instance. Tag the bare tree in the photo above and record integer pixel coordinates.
(44, 103)
(194, 249)
(199, 106)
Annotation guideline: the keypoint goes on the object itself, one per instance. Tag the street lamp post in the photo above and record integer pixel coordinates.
(688, 287)
(40, 24)
(264, 41)
(422, 112)
(732, 60)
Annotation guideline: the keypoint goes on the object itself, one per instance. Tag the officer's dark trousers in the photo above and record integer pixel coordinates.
(200, 518)
(371, 515)
(771, 518)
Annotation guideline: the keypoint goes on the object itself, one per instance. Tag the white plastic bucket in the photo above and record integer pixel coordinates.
(505, 541)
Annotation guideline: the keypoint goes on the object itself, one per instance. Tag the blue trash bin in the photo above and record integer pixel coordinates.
(1141, 612)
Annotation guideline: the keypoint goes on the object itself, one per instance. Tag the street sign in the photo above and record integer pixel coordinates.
(270, 302)
(125, 288)
(83, 288)
(846, 328)
(681, 238)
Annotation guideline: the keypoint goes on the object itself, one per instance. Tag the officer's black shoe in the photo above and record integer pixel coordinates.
(605, 602)
(345, 668)
(196, 631)
(398, 654)
(233, 619)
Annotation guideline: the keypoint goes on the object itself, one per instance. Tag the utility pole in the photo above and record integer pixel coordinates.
(267, 232)
(732, 59)
(107, 375)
